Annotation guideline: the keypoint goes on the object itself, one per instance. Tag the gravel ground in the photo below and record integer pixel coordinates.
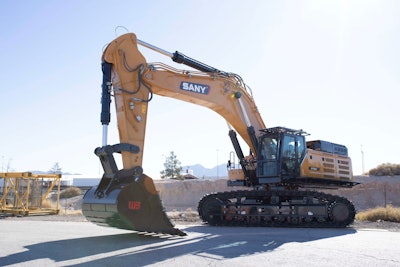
(191, 217)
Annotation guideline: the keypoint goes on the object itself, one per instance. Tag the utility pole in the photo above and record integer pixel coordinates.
(8, 168)
(217, 165)
(362, 159)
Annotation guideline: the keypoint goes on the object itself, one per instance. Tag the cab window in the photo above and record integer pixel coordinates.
(269, 148)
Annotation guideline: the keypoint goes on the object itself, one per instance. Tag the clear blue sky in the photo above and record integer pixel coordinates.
(331, 68)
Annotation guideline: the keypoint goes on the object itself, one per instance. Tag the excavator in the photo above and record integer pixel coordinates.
(281, 175)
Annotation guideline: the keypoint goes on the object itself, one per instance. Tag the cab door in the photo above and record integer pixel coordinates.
(267, 162)
(292, 154)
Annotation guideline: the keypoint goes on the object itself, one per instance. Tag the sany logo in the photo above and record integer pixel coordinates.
(195, 87)
(134, 205)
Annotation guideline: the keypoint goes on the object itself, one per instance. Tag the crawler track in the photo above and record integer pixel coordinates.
(276, 208)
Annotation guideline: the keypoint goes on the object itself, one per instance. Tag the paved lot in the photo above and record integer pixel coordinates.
(45, 243)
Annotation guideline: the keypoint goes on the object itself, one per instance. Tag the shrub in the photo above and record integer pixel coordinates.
(386, 169)
(390, 214)
(70, 192)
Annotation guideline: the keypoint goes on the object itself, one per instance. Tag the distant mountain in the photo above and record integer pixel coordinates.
(48, 172)
(200, 171)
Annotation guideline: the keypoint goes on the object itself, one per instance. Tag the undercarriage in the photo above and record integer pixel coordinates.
(280, 208)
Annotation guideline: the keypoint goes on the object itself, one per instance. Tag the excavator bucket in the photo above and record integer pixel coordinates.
(133, 205)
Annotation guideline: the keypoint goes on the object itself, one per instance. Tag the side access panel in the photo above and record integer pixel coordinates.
(322, 165)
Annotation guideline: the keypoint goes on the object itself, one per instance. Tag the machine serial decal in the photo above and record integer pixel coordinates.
(195, 87)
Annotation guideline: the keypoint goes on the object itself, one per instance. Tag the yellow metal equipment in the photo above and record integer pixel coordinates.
(24, 193)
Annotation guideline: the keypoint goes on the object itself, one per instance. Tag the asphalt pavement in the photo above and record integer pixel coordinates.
(46, 243)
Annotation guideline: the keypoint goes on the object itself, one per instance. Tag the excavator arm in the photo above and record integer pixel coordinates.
(135, 81)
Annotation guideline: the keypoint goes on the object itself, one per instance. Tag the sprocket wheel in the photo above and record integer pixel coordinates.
(210, 211)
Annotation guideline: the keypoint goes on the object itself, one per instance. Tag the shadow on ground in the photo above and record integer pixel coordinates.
(132, 249)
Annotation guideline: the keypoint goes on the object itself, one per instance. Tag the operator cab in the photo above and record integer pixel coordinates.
(281, 151)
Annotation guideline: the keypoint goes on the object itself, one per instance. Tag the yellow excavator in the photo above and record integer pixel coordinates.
(283, 169)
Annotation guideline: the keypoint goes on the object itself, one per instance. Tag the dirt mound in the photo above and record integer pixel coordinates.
(182, 195)
(374, 191)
